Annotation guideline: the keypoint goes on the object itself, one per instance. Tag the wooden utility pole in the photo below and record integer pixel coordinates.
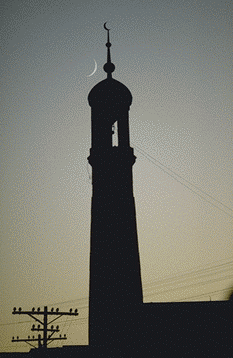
(46, 339)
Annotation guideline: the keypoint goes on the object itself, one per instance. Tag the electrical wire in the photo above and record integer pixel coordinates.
(7, 324)
(189, 286)
(196, 272)
(70, 301)
(176, 285)
(180, 280)
(143, 150)
(145, 285)
(152, 160)
(204, 294)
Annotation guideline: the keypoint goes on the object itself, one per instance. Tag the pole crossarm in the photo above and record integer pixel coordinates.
(42, 329)
(51, 313)
(25, 340)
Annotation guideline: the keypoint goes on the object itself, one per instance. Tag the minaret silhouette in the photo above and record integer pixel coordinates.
(115, 279)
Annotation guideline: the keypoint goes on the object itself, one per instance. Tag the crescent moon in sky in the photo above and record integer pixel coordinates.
(94, 69)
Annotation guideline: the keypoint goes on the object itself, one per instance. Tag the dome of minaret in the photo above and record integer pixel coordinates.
(109, 92)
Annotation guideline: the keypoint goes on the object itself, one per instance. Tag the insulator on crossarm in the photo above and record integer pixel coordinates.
(38, 309)
(76, 311)
(14, 309)
(33, 309)
(52, 309)
(51, 327)
(33, 327)
(57, 309)
(70, 310)
(20, 309)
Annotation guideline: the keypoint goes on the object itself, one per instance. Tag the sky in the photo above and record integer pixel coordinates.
(176, 59)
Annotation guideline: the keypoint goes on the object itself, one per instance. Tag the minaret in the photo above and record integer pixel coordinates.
(115, 279)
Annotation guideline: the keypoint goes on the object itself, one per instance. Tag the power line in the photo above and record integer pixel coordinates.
(184, 179)
(176, 285)
(75, 319)
(201, 196)
(70, 301)
(184, 285)
(154, 283)
(204, 294)
(181, 280)
(181, 277)
(187, 286)
(7, 324)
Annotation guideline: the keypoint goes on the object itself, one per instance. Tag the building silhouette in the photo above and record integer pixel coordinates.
(120, 324)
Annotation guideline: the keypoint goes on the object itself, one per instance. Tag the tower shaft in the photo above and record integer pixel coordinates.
(115, 280)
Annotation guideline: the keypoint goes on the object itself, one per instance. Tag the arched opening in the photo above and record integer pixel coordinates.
(115, 134)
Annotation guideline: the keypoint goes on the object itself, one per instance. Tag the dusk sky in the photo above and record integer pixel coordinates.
(176, 59)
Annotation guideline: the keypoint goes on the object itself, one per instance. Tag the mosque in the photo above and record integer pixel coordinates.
(120, 324)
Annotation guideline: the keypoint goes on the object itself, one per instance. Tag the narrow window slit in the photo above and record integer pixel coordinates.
(115, 135)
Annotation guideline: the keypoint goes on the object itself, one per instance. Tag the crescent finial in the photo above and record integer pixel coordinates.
(109, 66)
(105, 26)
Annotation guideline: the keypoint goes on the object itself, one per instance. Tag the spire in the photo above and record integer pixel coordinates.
(109, 67)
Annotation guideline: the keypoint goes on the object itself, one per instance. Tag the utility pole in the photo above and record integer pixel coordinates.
(46, 339)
